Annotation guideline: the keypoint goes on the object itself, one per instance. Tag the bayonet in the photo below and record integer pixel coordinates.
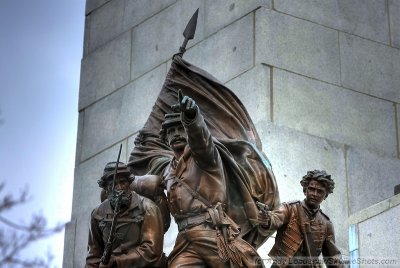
(116, 167)
(189, 32)
(105, 259)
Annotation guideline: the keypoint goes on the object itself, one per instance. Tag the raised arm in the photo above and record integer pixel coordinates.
(199, 137)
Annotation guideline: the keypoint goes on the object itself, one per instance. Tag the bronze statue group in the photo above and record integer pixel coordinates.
(196, 181)
(200, 147)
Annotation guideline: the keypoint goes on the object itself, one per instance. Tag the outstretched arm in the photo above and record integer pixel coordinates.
(273, 220)
(199, 137)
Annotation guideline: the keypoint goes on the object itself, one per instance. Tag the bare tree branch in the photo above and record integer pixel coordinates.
(16, 237)
(8, 201)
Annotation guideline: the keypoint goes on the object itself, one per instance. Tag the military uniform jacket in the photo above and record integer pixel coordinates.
(200, 167)
(139, 234)
(289, 237)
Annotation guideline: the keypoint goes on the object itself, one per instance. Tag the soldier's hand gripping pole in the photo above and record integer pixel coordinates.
(105, 259)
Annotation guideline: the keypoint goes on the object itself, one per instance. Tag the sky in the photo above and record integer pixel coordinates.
(40, 53)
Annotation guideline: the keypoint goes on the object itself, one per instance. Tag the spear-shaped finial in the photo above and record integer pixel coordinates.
(189, 32)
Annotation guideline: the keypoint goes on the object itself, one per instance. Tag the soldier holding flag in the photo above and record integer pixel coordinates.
(196, 184)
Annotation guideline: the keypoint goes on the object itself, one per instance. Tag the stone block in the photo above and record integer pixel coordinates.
(370, 67)
(371, 178)
(105, 70)
(366, 18)
(292, 154)
(369, 212)
(380, 235)
(81, 239)
(69, 244)
(395, 200)
(86, 37)
(394, 15)
(122, 113)
(220, 13)
(227, 53)
(297, 45)
(138, 11)
(79, 137)
(86, 194)
(158, 38)
(105, 23)
(253, 89)
(398, 128)
(332, 112)
(93, 4)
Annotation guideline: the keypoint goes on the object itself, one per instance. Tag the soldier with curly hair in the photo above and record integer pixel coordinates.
(303, 230)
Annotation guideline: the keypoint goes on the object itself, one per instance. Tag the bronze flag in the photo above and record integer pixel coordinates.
(249, 171)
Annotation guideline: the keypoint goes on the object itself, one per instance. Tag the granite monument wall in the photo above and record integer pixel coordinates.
(320, 79)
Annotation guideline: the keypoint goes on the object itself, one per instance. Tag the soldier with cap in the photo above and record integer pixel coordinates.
(195, 180)
(303, 230)
(139, 227)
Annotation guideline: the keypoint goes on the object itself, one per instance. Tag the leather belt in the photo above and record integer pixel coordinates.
(192, 221)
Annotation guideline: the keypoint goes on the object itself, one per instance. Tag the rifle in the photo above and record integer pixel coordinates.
(105, 259)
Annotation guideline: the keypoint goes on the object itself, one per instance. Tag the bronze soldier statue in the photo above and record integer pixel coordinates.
(303, 230)
(195, 180)
(136, 221)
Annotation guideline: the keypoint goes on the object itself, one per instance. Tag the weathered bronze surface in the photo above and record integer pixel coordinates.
(195, 180)
(303, 230)
(138, 238)
(206, 153)
(249, 171)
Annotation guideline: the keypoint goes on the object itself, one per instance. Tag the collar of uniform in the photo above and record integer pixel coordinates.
(310, 211)
(180, 164)
(185, 155)
(134, 203)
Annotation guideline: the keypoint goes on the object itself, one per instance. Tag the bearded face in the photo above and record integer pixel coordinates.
(121, 190)
(125, 197)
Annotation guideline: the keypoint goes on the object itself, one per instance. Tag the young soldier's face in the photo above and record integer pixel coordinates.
(315, 194)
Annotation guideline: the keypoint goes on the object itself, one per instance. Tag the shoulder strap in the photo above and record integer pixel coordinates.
(305, 229)
(193, 192)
